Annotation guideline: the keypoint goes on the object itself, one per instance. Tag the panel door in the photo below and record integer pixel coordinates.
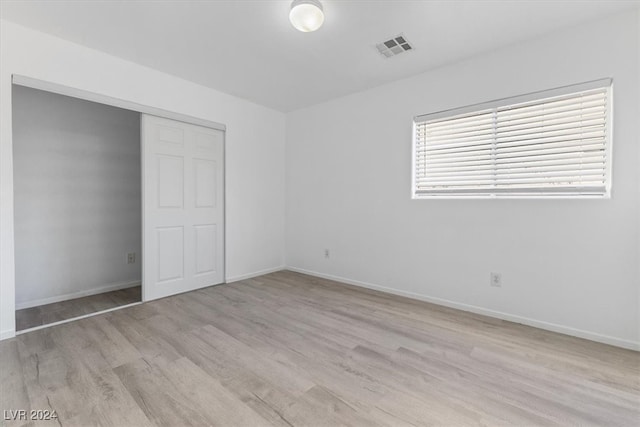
(183, 192)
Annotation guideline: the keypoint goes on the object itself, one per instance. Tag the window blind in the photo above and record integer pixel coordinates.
(554, 143)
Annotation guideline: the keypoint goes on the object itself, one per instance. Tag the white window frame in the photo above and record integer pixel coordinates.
(606, 83)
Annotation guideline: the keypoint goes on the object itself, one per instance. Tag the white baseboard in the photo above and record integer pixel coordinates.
(9, 333)
(79, 294)
(254, 274)
(567, 330)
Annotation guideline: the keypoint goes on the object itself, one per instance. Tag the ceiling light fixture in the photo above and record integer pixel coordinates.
(306, 15)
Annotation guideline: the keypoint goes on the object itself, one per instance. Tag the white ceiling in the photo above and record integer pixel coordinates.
(249, 48)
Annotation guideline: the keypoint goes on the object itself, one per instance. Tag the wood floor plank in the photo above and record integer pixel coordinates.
(319, 407)
(50, 313)
(13, 389)
(286, 349)
(218, 404)
(157, 397)
(148, 344)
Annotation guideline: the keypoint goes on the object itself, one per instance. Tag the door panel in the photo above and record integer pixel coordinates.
(205, 171)
(170, 181)
(170, 253)
(205, 248)
(183, 207)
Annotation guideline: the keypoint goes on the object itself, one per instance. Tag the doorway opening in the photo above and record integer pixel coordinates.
(77, 207)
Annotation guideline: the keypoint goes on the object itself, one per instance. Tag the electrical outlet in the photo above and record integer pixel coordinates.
(496, 280)
(131, 258)
(326, 253)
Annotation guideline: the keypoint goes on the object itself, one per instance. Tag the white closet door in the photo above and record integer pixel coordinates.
(183, 242)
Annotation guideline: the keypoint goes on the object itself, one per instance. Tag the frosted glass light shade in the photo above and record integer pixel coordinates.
(306, 15)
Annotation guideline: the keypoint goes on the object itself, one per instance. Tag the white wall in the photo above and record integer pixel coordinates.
(254, 145)
(77, 198)
(567, 265)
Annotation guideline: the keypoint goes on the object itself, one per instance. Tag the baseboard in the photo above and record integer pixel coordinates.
(80, 294)
(9, 333)
(254, 274)
(553, 327)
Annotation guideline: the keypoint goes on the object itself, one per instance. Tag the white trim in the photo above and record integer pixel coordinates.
(9, 333)
(79, 294)
(114, 102)
(84, 316)
(143, 216)
(224, 206)
(254, 274)
(553, 327)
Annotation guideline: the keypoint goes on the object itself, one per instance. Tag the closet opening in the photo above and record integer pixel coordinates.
(77, 207)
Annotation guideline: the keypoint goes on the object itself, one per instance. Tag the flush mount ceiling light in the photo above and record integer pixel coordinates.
(306, 15)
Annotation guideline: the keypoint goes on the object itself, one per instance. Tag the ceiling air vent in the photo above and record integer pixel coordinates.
(394, 46)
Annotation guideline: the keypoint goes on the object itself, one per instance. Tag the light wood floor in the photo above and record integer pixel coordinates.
(287, 349)
(50, 313)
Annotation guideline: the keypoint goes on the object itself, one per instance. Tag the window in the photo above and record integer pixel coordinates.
(555, 143)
